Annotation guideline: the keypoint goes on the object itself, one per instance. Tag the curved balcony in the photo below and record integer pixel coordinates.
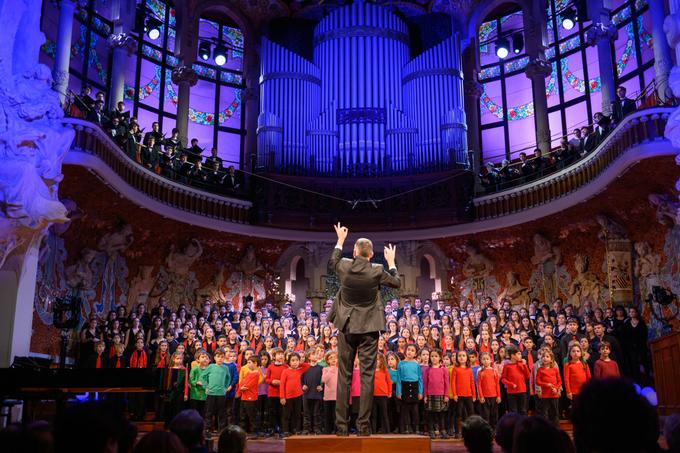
(639, 136)
(642, 130)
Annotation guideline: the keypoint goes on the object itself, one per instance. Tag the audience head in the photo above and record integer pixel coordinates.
(232, 440)
(93, 427)
(158, 441)
(537, 435)
(505, 430)
(188, 425)
(609, 416)
(363, 247)
(621, 92)
(477, 435)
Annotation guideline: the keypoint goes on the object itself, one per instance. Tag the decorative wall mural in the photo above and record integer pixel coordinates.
(550, 278)
(586, 288)
(618, 259)
(477, 280)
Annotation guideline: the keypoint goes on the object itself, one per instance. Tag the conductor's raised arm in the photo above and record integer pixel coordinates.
(336, 256)
(390, 277)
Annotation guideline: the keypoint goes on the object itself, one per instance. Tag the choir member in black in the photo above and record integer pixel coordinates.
(214, 175)
(100, 96)
(602, 127)
(169, 162)
(563, 154)
(539, 162)
(97, 115)
(490, 178)
(117, 131)
(185, 169)
(84, 102)
(194, 152)
(232, 180)
(589, 140)
(198, 175)
(622, 106)
(174, 141)
(506, 173)
(133, 142)
(209, 161)
(120, 113)
(150, 153)
(155, 133)
(525, 167)
(577, 142)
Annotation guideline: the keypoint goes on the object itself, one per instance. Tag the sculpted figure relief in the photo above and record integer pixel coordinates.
(80, 275)
(476, 265)
(586, 287)
(116, 242)
(213, 290)
(515, 292)
(179, 262)
(141, 286)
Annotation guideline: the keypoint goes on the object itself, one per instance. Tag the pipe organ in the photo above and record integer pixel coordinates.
(361, 108)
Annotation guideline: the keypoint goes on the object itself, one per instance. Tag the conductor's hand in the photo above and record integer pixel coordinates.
(390, 252)
(342, 232)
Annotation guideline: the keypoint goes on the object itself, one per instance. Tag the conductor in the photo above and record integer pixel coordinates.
(359, 314)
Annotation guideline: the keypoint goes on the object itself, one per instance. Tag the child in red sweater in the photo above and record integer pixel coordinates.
(605, 367)
(549, 387)
(462, 389)
(291, 393)
(488, 389)
(514, 377)
(248, 388)
(382, 391)
(436, 394)
(576, 371)
(273, 380)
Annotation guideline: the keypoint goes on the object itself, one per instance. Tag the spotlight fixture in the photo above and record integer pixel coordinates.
(220, 54)
(152, 28)
(204, 50)
(569, 19)
(502, 48)
(517, 43)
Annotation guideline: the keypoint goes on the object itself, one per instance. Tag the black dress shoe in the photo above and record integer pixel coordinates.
(342, 433)
(364, 433)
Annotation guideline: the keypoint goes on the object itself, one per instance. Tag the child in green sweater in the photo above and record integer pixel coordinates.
(197, 394)
(216, 380)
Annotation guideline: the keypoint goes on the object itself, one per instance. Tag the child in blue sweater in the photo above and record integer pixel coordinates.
(409, 390)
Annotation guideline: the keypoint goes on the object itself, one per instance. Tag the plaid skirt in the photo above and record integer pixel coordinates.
(436, 404)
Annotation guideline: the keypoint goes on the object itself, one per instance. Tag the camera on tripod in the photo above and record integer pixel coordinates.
(66, 312)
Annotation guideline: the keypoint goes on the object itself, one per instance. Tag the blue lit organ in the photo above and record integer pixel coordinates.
(361, 107)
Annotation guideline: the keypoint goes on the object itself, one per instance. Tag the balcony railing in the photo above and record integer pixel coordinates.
(640, 127)
(91, 140)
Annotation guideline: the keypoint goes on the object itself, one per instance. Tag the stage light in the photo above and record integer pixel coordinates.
(569, 19)
(204, 50)
(502, 48)
(152, 28)
(220, 55)
(518, 43)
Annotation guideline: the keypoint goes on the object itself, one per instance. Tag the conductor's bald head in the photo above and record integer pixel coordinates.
(363, 247)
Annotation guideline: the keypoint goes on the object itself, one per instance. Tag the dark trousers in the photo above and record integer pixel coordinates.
(231, 415)
(262, 412)
(329, 416)
(249, 416)
(489, 411)
(517, 402)
(215, 407)
(437, 421)
(464, 408)
(312, 415)
(198, 406)
(548, 408)
(366, 344)
(393, 409)
(380, 416)
(275, 413)
(452, 418)
(408, 422)
(291, 415)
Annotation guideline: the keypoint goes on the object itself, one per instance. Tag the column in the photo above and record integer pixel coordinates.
(473, 91)
(184, 77)
(537, 70)
(601, 34)
(250, 100)
(121, 45)
(62, 60)
(672, 28)
(663, 61)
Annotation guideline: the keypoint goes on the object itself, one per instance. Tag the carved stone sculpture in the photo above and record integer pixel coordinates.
(476, 265)
(586, 287)
(141, 286)
(175, 280)
(667, 208)
(249, 264)
(515, 292)
(117, 241)
(79, 275)
(619, 260)
(549, 272)
(213, 290)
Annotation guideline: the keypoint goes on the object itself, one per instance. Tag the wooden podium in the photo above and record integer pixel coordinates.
(354, 444)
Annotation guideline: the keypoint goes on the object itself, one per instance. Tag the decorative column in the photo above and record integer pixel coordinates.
(472, 91)
(663, 62)
(122, 45)
(601, 34)
(537, 70)
(535, 39)
(672, 28)
(250, 101)
(62, 59)
(184, 77)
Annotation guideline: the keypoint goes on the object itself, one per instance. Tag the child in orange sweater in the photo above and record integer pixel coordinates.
(462, 388)
(514, 377)
(488, 389)
(248, 387)
(291, 393)
(382, 392)
(549, 387)
(605, 367)
(576, 371)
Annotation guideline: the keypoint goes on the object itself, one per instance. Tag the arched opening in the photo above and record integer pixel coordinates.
(299, 284)
(428, 283)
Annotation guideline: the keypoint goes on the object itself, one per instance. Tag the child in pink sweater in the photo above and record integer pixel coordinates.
(436, 394)
(329, 380)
